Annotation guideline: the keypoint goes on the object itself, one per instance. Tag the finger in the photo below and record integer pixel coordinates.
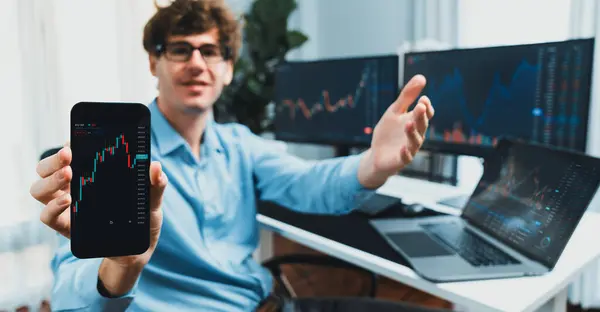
(414, 137)
(420, 118)
(45, 189)
(408, 95)
(429, 108)
(56, 214)
(51, 164)
(406, 156)
(158, 181)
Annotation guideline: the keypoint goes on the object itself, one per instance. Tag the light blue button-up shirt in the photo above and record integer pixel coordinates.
(203, 261)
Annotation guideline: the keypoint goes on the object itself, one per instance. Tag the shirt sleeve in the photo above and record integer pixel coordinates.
(328, 186)
(75, 284)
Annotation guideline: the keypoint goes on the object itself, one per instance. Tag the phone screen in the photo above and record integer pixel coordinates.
(110, 189)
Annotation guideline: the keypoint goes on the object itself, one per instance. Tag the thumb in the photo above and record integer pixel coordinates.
(158, 181)
(409, 94)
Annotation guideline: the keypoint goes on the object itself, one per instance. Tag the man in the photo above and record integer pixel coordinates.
(203, 260)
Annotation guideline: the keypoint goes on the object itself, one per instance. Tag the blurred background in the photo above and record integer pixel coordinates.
(55, 53)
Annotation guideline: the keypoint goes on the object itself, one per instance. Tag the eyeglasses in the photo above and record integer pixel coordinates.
(182, 51)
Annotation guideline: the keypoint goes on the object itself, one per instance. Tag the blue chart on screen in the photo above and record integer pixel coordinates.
(334, 101)
(534, 200)
(537, 92)
(502, 102)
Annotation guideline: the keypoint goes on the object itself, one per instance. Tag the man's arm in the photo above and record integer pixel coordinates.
(327, 186)
(337, 185)
(76, 283)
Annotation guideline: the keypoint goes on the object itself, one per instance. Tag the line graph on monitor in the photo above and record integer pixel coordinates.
(337, 100)
(324, 105)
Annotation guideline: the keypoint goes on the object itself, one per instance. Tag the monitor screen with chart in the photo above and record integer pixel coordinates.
(536, 92)
(532, 198)
(336, 101)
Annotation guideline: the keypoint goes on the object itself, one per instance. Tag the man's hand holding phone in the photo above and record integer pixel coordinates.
(118, 274)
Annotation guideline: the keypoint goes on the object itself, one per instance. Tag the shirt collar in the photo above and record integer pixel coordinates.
(211, 141)
(168, 139)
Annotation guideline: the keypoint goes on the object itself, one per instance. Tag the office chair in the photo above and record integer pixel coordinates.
(286, 290)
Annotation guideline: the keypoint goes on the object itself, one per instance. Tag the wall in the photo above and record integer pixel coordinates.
(136, 82)
(87, 56)
(12, 115)
(351, 28)
(594, 130)
(81, 51)
(593, 147)
(499, 22)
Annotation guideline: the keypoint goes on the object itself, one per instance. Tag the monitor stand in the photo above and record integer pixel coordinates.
(460, 201)
(342, 150)
(376, 203)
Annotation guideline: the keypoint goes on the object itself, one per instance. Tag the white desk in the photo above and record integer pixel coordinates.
(421, 191)
(544, 293)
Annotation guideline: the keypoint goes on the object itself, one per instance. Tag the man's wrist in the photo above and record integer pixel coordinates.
(368, 175)
(116, 279)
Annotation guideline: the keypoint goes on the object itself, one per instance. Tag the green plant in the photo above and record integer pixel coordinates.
(267, 41)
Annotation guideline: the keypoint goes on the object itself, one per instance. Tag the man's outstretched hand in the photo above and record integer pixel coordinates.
(397, 137)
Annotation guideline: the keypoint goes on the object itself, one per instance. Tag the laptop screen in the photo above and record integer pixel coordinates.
(532, 198)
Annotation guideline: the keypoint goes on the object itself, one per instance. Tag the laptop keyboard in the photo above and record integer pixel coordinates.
(469, 246)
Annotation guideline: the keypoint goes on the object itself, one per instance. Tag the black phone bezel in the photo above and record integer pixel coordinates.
(116, 245)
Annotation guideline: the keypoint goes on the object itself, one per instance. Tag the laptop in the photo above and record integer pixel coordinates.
(516, 223)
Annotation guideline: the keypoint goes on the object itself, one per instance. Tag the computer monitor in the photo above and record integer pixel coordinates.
(535, 92)
(336, 101)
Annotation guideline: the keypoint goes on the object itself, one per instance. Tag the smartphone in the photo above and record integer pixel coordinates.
(110, 189)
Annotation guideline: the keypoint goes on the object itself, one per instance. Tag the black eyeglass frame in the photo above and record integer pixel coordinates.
(225, 51)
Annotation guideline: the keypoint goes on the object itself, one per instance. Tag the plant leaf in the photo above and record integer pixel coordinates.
(267, 10)
(295, 39)
(254, 85)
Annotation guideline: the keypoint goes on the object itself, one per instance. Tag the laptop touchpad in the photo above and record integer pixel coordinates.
(418, 244)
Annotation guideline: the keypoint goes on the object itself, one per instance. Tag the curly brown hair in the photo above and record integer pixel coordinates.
(188, 17)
